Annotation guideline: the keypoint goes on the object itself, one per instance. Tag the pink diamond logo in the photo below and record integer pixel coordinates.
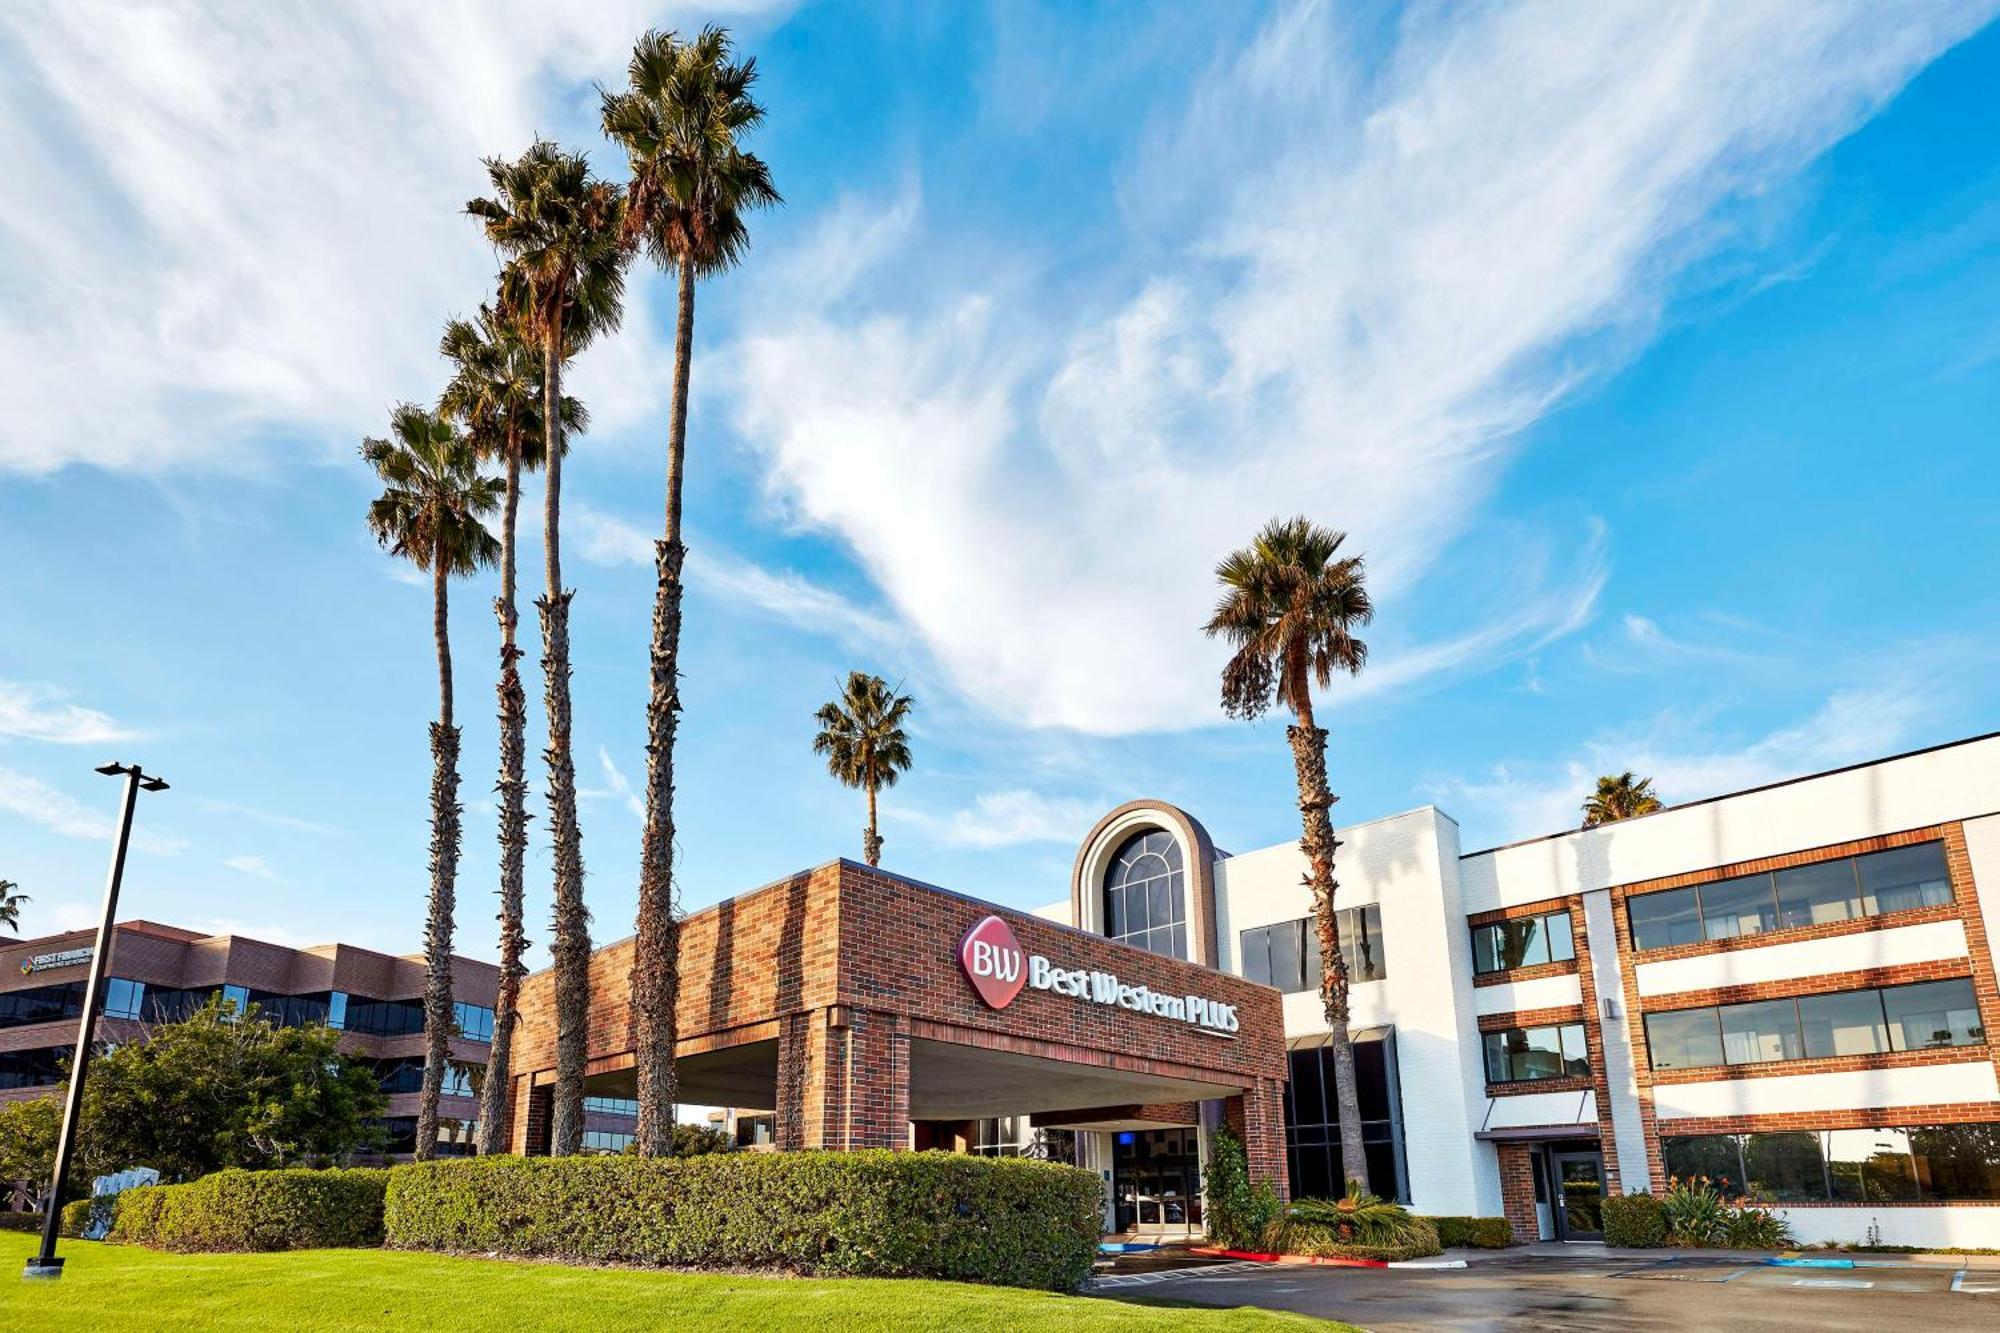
(993, 962)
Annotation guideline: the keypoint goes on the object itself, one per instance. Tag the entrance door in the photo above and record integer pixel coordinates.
(1580, 1195)
(1158, 1183)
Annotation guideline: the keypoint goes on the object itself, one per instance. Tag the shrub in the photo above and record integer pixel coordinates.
(256, 1210)
(1360, 1226)
(1753, 1228)
(1696, 1213)
(1240, 1214)
(75, 1216)
(1634, 1221)
(877, 1213)
(1479, 1233)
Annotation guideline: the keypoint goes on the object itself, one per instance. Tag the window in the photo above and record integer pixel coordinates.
(604, 1143)
(753, 1131)
(1684, 1038)
(1733, 907)
(1286, 953)
(1933, 1013)
(997, 1137)
(1884, 1165)
(1759, 1031)
(475, 1022)
(124, 999)
(406, 1074)
(1849, 1023)
(612, 1105)
(34, 1069)
(1145, 898)
(1522, 942)
(1899, 880)
(41, 1004)
(1520, 1055)
(336, 1010)
(1312, 1120)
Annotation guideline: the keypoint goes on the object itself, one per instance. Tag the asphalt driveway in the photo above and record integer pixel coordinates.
(1595, 1290)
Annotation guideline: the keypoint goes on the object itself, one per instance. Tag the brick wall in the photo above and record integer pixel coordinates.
(1517, 1190)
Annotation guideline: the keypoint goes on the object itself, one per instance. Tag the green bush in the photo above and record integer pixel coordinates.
(1635, 1221)
(1479, 1233)
(256, 1210)
(1240, 1214)
(878, 1213)
(75, 1216)
(21, 1222)
(1360, 1226)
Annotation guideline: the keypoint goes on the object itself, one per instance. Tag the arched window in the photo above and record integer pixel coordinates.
(1145, 894)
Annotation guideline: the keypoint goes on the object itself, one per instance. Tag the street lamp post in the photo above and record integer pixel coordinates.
(46, 1264)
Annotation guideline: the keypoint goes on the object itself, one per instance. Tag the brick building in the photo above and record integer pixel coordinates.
(1790, 987)
(161, 972)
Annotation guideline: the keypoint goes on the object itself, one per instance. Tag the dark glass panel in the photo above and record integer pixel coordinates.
(1904, 877)
(1816, 894)
(1958, 1161)
(1848, 1023)
(1933, 1013)
(1784, 1168)
(1684, 1039)
(1661, 919)
(1711, 1155)
(1871, 1165)
(1759, 1031)
(1735, 907)
(1255, 948)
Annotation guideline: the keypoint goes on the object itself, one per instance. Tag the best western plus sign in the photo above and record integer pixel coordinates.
(998, 969)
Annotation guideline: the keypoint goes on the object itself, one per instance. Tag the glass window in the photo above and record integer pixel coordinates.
(336, 1010)
(1522, 942)
(1255, 963)
(475, 1022)
(1520, 1055)
(1933, 1013)
(1904, 877)
(1713, 1155)
(1759, 1031)
(41, 1004)
(1958, 1161)
(1312, 1115)
(1287, 957)
(1816, 894)
(604, 1143)
(124, 999)
(1561, 947)
(1684, 1038)
(1661, 919)
(1360, 945)
(1734, 907)
(1784, 1167)
(1145, 898)
(1870, 1165)
(1844, 1024)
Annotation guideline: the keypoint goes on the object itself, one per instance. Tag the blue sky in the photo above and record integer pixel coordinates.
(1648, 353)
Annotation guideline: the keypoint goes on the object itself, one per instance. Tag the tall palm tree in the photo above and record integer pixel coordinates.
(558, 231)
(1290, 606)
(496, 394)
(1619, 797)
(10, 904)
(861, 735)
(429, 513)
(686, 105)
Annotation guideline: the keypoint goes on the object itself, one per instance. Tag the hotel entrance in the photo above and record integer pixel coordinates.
(1569, 1190)
(1156, 1183)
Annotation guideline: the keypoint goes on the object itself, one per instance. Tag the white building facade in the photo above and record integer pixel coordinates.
(1790, 988)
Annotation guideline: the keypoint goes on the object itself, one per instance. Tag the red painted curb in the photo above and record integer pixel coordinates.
(1316, 1260)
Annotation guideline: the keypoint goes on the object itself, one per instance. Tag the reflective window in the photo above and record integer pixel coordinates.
(336, 1010)
(1783, 1167)
(612, 1105)
(998, 1136)
(1145, 897)
(1684, 1038)
(1933, 1013)
(41, 1004)
(1871, 1165)
(1286, 954)
(1849, 1023)
(1733, 907)
(1519, 1055)
(1522, 942)
(1957, 1161)
(1360, 944)
(604, 1143)
(475, 1022)
(1903, 878)
(1717, 1156)
(124, 999)
(1898, 880)
(1816, 894)
(34, 1069)
(1759, 1031)
(1312, 1122)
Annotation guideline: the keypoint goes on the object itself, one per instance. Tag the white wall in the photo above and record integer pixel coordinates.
(1957, 1226)
(1960, 782)
(1929, 942)
(1916, 1085)
(1540, 993)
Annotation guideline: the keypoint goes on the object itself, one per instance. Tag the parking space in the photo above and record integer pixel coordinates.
(1603, 1291)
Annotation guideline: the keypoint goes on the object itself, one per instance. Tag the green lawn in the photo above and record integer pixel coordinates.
(117, 1286)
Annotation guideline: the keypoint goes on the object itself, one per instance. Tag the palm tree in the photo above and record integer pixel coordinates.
(1290, 606)
(679, 121)
(558, 230)
(861, 735)
(10, 904)
(429, 514)
(496, 394)
(1620, 797)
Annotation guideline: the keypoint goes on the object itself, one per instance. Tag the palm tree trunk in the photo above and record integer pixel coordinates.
(495, 1094)
(656, 953)
(1319, 844)
(444, 876)
(570, 943)
(871, 841)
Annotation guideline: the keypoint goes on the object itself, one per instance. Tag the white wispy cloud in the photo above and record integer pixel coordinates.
(36, 801)
(36, 711)
(1004, 819)
(616, 786)
(1375, 279)
(213, 806)
(248, 219)
(255, 866)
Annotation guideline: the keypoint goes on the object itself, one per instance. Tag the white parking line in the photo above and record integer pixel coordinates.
(1853, 1283)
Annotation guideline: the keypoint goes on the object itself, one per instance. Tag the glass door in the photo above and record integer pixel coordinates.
(1580, 1185)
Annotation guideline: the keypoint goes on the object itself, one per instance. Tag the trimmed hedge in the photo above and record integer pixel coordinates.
(10, 1221)
(877, 1213)
(75, 1216)
(1294, 1236)
(1634, 1221)
(256, 1210)
(1479, 1233)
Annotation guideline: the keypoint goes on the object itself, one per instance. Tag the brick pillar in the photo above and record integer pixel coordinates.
(1517, 1190)
(1257, 1117)
(869, 1102)
(531, 1118)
